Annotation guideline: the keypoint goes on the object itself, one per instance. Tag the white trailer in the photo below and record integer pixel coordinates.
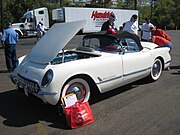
(95, 16)
(30, 20)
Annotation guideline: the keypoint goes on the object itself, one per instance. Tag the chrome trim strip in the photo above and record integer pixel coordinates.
(168, 62)
(114, 78)
(137, 72)
(40, 92)
(110, 79)
(44, 92)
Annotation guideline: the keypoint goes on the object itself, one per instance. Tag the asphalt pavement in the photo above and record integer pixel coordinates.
(141, 108)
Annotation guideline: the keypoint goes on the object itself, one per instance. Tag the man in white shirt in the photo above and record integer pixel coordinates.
(146, 30)
(131, 26)
(41, 29)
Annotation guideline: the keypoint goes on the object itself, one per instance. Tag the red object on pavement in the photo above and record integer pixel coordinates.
(79, 115)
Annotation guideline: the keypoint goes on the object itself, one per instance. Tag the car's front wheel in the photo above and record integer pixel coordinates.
(156, 70)
(78, 86)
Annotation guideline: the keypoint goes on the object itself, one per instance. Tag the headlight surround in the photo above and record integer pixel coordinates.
(48, 77)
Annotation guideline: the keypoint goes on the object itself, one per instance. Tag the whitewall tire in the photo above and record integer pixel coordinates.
(156, 70)
(78, 86)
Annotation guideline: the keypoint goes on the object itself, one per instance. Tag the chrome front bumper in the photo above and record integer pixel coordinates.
(29, 85)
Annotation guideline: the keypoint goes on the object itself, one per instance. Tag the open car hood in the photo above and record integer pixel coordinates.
(54, 41)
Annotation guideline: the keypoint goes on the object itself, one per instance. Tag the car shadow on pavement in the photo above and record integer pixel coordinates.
(19, 111)
(102, 96)
(4, 71)
(97, 96)
(174, 67)
(176, 73)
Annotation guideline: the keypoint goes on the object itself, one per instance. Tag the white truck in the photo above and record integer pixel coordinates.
(30, 20)
(95, 16)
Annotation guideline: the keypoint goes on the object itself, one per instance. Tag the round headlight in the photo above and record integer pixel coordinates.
(47, 78)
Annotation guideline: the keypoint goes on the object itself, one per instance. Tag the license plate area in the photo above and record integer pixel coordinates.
(27, 84)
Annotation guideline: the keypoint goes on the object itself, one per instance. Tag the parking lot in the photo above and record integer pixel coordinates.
(141, 108)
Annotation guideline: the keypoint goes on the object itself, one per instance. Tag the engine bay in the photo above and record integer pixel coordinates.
(71, 56)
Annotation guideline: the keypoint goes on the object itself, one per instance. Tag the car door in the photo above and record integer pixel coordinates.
(107, 68)
(135, 62)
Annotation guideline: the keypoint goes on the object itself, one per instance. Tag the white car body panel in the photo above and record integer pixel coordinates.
(139, 63)
(107, 70)
(149, 45)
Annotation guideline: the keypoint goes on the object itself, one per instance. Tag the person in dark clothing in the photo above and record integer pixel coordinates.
(9, 39)
(109, 23)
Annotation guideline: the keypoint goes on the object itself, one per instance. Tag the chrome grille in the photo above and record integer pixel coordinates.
(28, 84)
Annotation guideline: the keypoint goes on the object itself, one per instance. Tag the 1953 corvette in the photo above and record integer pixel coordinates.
(101, 63)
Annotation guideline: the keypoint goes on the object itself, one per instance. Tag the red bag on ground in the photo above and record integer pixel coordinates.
(67, 112)
(79, 115)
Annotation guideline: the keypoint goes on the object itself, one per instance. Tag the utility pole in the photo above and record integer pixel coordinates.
(61, 3)
(135, 4)
(152, 6)
(1, 15)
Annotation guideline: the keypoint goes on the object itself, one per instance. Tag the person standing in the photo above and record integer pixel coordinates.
(146, 30)
(40, 30)
(9, 39)
(131, 26)
(109, 23)
(43, 29)
(0, 38)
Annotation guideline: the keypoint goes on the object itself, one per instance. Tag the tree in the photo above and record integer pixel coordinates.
(144, 11)
(176, 14)
(101, 3)
(164, 13)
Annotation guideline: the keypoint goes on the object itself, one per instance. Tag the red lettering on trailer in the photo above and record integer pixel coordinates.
(96, 14)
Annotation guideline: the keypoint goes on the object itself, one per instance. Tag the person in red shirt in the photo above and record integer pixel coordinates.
(161, 33)
(162, 42)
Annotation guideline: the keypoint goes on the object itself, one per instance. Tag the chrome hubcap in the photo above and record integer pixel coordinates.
(156, 69)
(78, 89)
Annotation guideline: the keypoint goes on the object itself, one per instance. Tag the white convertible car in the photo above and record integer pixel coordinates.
(101, 63)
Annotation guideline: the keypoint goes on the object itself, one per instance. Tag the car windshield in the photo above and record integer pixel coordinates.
(129, 45)
(102, 44)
